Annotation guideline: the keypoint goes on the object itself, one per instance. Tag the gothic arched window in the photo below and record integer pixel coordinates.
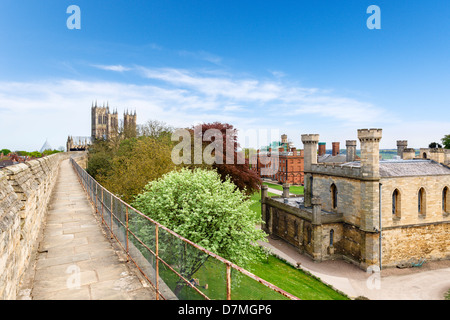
(422, 202)
(396, 203)
(445, 200)
(334, 197)
(309, 235)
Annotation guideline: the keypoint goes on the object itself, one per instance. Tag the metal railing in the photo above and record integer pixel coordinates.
(175, 267)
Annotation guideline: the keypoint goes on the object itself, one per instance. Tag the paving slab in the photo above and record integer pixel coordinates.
(76, 259)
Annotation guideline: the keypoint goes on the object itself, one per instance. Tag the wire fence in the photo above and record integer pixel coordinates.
(175, 267)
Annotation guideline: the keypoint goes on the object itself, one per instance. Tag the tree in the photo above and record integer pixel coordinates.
(99, 159)
(238, 171)
(156, 129)
(212, 213)
(434, 145)
(5, 151)
(446, 141)
(136, 162)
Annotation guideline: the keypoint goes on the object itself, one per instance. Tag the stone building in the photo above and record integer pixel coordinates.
(105, 124)
(78, 143)
(368, 211)
(289, 163)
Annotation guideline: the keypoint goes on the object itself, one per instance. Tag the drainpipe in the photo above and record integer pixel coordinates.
(379, 210)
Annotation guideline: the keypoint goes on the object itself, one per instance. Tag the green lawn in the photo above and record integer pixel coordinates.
(294, 281)
(256, 207)
(274, 270)
(293, 189)
(287, 277)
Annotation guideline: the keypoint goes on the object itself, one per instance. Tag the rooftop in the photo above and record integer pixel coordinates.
(406, 168)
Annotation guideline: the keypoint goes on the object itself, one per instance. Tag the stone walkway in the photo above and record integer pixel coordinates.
(76, 260)
(429, 282)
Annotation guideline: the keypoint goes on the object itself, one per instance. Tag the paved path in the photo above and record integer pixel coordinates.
(75, 259)
(430, 282)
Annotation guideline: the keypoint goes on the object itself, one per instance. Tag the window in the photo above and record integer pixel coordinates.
(334, 198)
(445, 200)
(309, 234)
(422, 202)
(396, 203)
(331, 237)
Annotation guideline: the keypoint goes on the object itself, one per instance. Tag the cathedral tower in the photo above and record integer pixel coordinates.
(129, 124)
(105, 123)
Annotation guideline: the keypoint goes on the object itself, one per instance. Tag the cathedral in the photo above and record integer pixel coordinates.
(105, 124)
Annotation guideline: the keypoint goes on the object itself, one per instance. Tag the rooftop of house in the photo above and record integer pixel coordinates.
(328, 158)
(406, 168)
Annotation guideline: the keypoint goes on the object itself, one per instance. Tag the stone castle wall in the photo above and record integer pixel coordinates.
(25, 191)
(408, 188)
(410, 235)
(429, 242)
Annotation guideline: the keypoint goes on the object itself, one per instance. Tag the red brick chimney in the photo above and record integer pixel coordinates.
(322, 148)
(336, 148)
(294, 151)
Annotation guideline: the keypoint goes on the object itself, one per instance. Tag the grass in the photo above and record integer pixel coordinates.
(274, 270)
(256, 207)
(287, 277)
(299, 190)
(294, 281)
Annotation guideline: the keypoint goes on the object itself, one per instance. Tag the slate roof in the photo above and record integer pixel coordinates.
(328, 158)
(407, 168)
(404, 168)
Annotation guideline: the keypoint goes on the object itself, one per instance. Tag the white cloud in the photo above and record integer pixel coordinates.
(202, 55)
(116, 68)
(30, 112)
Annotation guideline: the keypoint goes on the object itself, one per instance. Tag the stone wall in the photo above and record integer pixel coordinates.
(429, 242)
(408, 188)
(348, 196)
(25, 191)
(298, 227)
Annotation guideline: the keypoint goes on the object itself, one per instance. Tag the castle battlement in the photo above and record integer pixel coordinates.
(337, 170)
(370, 134)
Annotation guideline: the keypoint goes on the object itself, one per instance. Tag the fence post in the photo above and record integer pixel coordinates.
(111, 215)
(126, 219)
(103, 220)
(157, 260)
(96, 196)
(228, 281)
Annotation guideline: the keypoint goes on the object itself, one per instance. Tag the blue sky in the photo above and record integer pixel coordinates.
(290, 66)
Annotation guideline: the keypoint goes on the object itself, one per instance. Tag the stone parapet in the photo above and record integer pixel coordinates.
(24, 194)
(337, 170)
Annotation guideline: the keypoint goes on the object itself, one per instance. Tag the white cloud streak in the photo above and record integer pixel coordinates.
(116, 68)
(181, 98)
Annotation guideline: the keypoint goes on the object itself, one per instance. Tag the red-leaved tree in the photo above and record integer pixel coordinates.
(234, 164)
